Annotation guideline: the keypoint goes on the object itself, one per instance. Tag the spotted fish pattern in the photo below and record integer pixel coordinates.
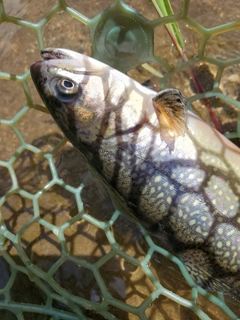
(187, 188)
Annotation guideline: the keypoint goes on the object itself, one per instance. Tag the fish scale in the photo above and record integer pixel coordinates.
(183, 186)
(190, 214)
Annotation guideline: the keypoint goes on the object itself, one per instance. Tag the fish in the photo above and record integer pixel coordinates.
(161, 164)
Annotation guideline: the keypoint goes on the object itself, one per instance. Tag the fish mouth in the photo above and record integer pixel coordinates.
(49, 53)
(59, 53)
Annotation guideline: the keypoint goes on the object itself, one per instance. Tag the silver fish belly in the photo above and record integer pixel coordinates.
(189, 186)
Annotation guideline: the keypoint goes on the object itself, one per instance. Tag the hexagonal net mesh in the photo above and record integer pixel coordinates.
(66, 253)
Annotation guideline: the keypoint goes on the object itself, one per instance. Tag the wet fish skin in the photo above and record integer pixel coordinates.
(191, 192)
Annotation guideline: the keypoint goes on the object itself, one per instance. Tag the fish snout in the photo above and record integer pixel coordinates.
(37, 77)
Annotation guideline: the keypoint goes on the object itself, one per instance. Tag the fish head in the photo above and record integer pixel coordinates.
(87, 98)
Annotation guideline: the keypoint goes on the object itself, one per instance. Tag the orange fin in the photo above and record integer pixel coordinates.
(171, 109)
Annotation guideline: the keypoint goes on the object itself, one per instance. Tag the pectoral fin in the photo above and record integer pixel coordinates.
(171, 109)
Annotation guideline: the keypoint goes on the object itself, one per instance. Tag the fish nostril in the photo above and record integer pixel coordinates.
(42, 81)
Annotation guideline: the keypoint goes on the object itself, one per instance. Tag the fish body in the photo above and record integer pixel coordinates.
(190, 190)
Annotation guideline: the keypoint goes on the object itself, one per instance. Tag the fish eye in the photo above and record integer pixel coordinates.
(67, 86)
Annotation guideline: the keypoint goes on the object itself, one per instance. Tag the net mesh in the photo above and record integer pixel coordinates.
(65, 255)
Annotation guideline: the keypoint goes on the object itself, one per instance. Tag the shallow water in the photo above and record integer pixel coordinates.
(126, 282)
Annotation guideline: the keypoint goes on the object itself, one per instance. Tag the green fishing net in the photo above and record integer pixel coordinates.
(66, 253)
